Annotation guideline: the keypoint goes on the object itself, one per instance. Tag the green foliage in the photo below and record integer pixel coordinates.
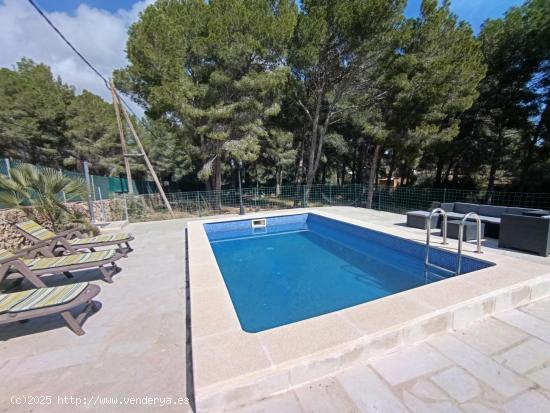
(32, 109)
(435, 80)
(338, 50)
(214, 74)
(507, 122)
(43, 121)
(41, 193)
(335, 90)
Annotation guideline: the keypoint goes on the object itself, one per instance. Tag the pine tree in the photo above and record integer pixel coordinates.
(216, 71)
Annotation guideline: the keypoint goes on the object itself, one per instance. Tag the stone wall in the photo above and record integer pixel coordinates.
(11, 239)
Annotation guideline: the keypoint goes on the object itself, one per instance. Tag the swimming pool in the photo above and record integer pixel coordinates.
(305, 265)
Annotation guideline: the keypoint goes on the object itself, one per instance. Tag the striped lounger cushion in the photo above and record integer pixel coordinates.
(73, 259)
(36, 230)
(100, 238)
(5, 254)
(40, 298)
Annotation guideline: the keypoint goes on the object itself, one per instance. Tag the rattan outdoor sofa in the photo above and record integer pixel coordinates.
(525, 233)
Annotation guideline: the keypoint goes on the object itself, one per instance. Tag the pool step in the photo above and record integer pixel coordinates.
(428, 265)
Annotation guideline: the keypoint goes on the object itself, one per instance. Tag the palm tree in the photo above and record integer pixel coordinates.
(41, 192)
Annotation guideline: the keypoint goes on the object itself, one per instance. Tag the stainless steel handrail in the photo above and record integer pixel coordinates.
(429, 230)
(460, 236)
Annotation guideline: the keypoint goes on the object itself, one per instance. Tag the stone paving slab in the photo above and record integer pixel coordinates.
(134, 345)
(450, 372)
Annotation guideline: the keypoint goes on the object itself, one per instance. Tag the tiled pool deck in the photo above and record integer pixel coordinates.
(499, 364)
(232, 366)
(135, 345)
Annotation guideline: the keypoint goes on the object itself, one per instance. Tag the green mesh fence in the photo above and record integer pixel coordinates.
(104, 187)
(401, 200)
(397, 200)
(147, 204)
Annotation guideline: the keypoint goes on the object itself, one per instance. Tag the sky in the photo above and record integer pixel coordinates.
(98, 28)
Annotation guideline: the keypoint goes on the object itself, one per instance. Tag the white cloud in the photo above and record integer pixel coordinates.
(98, 34)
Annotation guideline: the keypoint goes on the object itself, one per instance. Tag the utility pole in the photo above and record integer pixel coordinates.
(117, 103)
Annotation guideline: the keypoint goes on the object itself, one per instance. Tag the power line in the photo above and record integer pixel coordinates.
(33, 4)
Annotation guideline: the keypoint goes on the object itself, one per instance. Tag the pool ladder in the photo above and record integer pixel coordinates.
(427, 263)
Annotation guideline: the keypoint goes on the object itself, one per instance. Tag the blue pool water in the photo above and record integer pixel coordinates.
(302, 266)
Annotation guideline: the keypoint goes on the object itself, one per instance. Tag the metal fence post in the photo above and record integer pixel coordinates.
(101, 205)
(198, 204)
(125, 207)
(8, 167)
(444, 194)
(88, 182)
(93, 187)
(63, 192)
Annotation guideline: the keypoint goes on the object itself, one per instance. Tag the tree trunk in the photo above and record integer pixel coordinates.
(391, 171)
(492, 176)
(403, 172)
(527, 163)
(313, 166)
(278, 180)
(318, 133)
(439, 171)
(299, 175)
(447, 173)
(456, 171)
(354, 164)
(532, 144)
(372, 175)
(495, 158)
(217, 184)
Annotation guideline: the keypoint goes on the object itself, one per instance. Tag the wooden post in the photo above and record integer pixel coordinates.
(142, 150)
(116, 104)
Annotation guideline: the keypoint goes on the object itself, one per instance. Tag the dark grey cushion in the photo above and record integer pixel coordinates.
(419, 213)
(492, 220)
(464, 208)
(491, 210)
(454, 215)
(517, 211)
(447, 206)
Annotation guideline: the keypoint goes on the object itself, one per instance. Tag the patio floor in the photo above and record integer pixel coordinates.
(499, 364)
(135, 347)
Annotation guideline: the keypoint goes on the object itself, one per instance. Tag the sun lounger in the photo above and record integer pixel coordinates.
(27, 264)
(40, 302)
(73, 240)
